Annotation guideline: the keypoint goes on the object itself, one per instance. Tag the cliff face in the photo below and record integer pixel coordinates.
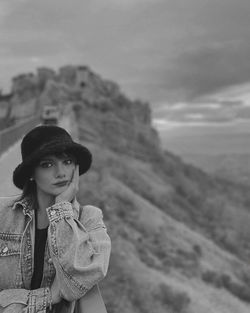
(180, 239)
(118, 122)
(80, 84)
(78, 79)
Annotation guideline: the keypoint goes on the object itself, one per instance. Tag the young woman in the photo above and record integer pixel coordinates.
(52, 250)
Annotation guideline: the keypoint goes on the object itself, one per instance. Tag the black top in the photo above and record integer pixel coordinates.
(40, 242)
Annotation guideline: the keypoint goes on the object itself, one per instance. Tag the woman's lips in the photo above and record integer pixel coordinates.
(61, 184)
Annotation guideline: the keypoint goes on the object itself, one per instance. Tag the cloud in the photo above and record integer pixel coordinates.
(209, 69)
(8, 6)
(212, 111)
(159, 50)
(3, 9)
(123, 4)
(194, 127)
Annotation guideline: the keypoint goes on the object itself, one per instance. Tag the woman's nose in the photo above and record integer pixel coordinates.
(60, 171)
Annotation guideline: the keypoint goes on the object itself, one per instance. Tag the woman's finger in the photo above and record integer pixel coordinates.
(75, 178)
(76, 174)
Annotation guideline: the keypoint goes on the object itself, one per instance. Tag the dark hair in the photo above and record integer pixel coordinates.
(29, 191)
(60, 155)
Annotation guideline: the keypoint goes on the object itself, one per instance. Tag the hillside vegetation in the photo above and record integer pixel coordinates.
(234, 167)
(180, 238)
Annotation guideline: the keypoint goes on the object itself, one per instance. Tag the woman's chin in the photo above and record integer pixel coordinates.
(53, 190)
(58, 189)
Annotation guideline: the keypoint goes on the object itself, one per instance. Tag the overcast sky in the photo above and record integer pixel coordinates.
(189, 58)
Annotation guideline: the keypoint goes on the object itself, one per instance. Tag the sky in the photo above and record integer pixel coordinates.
(190, 59)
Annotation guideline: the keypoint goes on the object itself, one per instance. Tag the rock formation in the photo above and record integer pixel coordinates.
(92, 96)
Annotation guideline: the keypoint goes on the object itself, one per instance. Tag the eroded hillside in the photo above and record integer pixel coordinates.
(180, 239)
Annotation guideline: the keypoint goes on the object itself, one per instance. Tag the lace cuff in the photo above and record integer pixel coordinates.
(59, 211)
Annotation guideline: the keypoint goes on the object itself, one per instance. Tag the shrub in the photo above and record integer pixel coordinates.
(176, 301)
(240, 291)
(212, 278)
(197, 249)
(148, 258)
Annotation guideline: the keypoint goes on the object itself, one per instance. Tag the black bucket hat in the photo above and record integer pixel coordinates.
(45, 140)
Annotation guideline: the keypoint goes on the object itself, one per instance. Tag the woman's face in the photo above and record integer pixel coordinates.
(54, 173)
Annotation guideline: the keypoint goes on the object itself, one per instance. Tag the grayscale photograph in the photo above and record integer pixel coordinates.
(124, 156)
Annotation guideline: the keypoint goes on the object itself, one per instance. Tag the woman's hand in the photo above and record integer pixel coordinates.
(71, 191)
(55, 292)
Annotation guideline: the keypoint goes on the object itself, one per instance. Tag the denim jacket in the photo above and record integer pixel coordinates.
(77, 252)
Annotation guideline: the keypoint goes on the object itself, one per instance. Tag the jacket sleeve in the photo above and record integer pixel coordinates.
(80, 249)
(34, 301)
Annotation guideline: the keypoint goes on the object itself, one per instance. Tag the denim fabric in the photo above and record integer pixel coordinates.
(77, 251)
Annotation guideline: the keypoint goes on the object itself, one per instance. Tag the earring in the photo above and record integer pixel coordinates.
(31, 178)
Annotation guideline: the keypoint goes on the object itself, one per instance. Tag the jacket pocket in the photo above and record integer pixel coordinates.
(10, 244)
(10, 252)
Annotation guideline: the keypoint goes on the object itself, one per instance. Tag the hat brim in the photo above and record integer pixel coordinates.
(24, 170)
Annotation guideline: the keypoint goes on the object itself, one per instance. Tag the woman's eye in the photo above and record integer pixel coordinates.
(68, 161)
(45, 164)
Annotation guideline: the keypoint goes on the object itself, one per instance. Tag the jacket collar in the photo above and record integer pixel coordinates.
(25, 205)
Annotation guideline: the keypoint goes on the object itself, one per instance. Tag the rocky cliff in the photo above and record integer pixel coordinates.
(180, 238)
